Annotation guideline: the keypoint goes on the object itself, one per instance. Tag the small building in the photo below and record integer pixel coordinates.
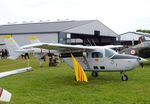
(85, 32)
(133, 38)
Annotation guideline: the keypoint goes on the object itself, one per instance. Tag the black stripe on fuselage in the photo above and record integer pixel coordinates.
(75, 54)
(118, 56)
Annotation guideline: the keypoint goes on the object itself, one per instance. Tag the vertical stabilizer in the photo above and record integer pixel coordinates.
(38, 51)
(34, 39)
(12, 47)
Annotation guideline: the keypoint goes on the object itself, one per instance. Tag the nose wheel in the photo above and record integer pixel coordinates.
(124, 77)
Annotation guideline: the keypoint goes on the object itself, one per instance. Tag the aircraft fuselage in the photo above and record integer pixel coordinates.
(104, 60)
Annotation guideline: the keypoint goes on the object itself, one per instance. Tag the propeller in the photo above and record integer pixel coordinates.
(141, 61)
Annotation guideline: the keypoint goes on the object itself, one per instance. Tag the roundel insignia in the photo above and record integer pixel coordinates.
(132, 52)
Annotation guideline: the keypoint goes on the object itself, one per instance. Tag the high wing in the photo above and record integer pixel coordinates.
(69, 48)
(113, 46)
(60, 47)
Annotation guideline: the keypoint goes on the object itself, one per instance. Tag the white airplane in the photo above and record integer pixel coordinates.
(15, 50)
(94, 58)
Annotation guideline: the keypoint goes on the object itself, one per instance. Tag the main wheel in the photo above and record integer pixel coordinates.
(94, 74)
(124, 77)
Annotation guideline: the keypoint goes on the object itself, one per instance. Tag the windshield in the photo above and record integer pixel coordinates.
(109, 53)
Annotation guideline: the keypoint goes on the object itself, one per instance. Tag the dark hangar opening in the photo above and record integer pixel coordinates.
(86, 39)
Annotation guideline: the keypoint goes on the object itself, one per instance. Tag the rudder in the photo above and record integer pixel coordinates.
(12, 47)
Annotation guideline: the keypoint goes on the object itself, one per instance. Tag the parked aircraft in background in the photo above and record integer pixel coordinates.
(12, 47)
(142, 49)
(94, 58)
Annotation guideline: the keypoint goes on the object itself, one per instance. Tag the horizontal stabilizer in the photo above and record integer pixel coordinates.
(5, 96)
(2, 43)
(8, 73)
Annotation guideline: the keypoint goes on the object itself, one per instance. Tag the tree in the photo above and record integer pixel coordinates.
(144, 31)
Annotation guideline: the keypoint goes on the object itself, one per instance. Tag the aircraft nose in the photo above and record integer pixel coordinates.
(141, 61)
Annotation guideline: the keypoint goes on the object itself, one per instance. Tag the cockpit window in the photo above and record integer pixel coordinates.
(109, 53)
(97, 55)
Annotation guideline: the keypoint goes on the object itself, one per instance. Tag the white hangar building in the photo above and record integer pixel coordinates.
(133, 38)
(66, 32)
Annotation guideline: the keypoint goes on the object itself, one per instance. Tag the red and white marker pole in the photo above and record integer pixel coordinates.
(5, 96)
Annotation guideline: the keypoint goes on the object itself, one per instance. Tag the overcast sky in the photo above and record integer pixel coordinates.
(119, 15)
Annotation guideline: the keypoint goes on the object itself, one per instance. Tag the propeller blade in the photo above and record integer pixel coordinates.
(141, 61)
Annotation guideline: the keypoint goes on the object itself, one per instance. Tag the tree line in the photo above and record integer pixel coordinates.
(144, 31)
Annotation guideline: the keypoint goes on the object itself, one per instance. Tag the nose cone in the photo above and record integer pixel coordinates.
(141, 60)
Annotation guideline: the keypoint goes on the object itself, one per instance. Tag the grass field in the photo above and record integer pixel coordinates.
(56, 85)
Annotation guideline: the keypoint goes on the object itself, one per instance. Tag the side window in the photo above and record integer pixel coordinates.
(97, 55)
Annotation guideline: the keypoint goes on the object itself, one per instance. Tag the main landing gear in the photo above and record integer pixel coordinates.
(94, 74)
(124, 77)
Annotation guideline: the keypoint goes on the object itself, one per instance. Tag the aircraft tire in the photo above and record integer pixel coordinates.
(94, 74)
(124, 77)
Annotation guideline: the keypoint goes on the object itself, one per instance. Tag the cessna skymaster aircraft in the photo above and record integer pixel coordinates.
(15, 50)
(94, 58)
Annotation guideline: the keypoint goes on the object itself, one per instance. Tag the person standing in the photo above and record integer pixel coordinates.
(50, 55)
(3, 54)
(6, 53)
(26, 56)
(42, 61)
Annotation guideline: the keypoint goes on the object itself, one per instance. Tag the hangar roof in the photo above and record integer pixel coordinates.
(133, 36)
(137, 33)
(50, 27)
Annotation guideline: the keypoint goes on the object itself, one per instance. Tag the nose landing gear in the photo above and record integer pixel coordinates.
(124, 77)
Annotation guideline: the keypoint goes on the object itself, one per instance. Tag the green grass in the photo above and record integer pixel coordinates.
(56, 85)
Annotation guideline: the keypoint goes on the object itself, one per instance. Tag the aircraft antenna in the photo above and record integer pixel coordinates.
(89, 42)
(93, 42)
